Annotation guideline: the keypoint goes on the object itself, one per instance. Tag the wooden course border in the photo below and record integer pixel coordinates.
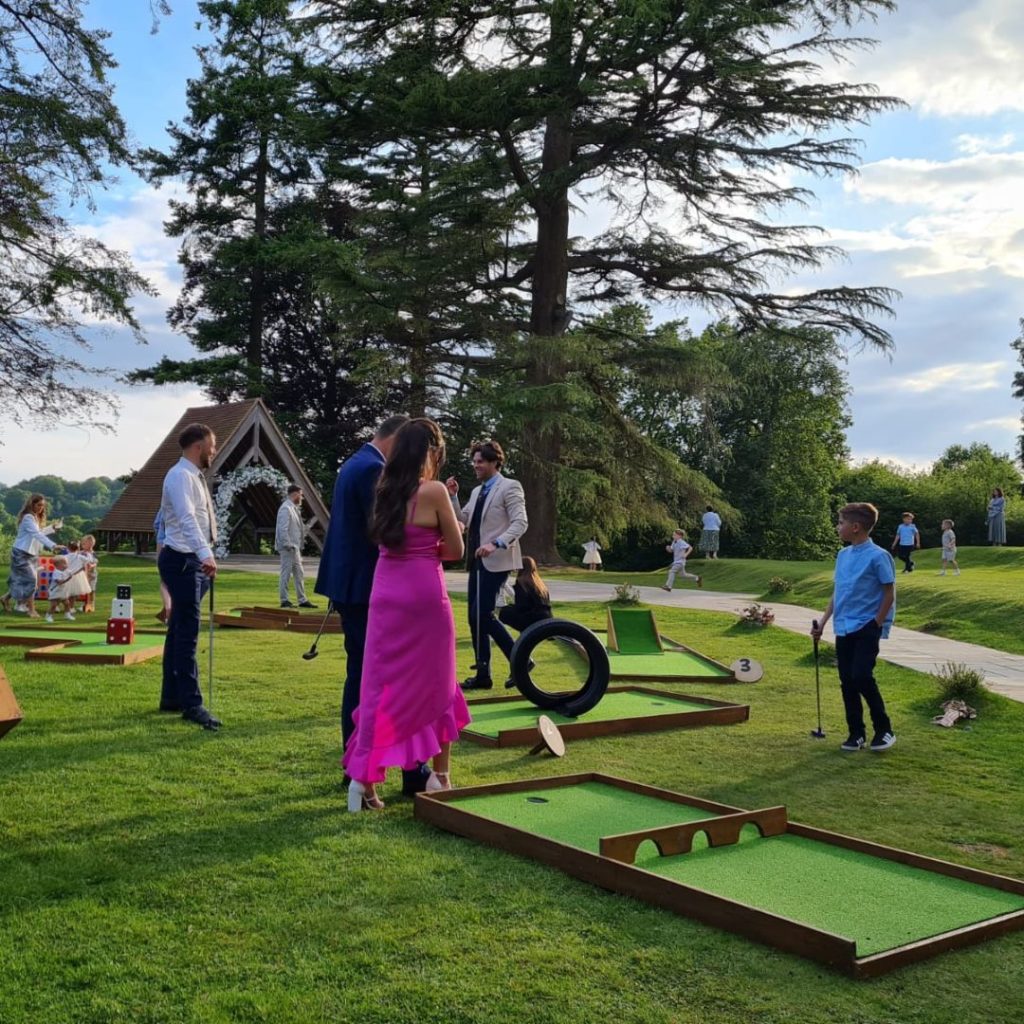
(719, 712)
(10, 713)
(287, 619)
(43, 649)
(440, 809)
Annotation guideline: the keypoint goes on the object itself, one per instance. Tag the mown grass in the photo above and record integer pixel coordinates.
(152, 872)
(984, 605)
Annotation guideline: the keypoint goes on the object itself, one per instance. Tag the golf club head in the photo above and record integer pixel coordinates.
(310, 654)
(818, 734)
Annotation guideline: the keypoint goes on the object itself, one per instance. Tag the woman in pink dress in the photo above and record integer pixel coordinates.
(410, 707)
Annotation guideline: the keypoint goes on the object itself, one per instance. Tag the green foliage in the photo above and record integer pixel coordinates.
(961, 682)
(81, 504)
(61, 132)
(956, 487)
(626, 594)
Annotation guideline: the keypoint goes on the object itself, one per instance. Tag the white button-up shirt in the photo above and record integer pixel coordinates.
(185, 510)
(31, 536)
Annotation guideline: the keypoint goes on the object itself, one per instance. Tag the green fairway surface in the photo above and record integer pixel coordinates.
(877, 903)
(635, 631)
(667, 665)
(88, 643)
(154, 873)
(491, 719)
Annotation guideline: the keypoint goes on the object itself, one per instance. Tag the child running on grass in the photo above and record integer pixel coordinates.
(679, 549)
(863, 605)
(907, 538)
(948, 548)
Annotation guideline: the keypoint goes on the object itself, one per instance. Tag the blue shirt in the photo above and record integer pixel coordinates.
(906, 533)
(861, 572)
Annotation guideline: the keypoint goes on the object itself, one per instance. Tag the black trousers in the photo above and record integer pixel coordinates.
(183, 576)
(354, 618)
(490, 628)
(856, 654)
(906, 553)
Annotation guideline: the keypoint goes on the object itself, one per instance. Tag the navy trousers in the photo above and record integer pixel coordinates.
(183, 576)
(490, 628)
(856, 654)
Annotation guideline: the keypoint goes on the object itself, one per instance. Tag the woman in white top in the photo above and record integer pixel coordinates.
(711, 525)
(33, 536)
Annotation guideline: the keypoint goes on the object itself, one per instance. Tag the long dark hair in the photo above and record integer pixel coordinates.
(529, 579)
(406, 466)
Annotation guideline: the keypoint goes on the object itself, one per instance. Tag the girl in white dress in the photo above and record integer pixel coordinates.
(592, 556)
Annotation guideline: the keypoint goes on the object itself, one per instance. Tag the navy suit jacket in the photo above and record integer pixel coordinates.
(349, 558)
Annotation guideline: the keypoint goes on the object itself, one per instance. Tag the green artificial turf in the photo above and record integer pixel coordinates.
(635, 631)
(667, 665)
(580, 815)
(89, 643)
(491, 719)
(878, 903)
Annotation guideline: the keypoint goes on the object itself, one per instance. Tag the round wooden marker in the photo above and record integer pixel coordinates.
(550, 738)
(746, 670)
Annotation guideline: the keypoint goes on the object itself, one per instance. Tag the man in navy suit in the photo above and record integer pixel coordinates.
(348, 562)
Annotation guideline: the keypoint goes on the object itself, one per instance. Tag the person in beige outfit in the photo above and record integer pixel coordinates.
(495, 519)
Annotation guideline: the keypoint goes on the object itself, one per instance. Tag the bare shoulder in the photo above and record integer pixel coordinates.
(433, 492)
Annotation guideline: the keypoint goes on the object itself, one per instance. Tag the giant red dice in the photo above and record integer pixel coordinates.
(120, 631)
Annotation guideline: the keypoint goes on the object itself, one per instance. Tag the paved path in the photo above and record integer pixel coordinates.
(923, 652)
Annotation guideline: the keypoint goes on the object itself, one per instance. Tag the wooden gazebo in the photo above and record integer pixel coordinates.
(246, 436)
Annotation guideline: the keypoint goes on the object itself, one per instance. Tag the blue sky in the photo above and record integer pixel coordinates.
(936, 212)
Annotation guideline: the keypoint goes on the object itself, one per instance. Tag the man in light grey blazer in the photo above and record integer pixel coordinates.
(288, 538)
(495, 518)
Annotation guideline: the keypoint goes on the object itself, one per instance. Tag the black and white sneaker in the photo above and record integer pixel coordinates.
(882, 741)
(852, 744)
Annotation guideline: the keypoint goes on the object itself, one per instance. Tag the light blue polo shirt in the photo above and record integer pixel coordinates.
(861, 572)
(906, 533)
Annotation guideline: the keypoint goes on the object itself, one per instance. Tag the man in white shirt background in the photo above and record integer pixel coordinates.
(288, 538)
(187, 568)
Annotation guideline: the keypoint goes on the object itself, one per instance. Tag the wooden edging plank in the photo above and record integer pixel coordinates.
(718, 713)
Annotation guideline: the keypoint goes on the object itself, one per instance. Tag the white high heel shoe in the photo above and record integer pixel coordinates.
(363, 798)
(437, 782)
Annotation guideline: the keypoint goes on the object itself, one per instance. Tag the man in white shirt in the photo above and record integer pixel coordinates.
(187, 567)
(288, 538)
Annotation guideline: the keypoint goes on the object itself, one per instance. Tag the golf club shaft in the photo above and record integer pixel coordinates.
(817, 674)
(209, 672)
(323, 626)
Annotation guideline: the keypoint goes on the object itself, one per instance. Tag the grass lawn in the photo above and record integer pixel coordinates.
(152, 872)
(984, 605)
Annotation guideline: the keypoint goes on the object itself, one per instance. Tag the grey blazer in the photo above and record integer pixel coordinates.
(504, 519)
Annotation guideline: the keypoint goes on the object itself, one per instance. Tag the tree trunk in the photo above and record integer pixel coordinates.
(542, 441)
(257, 302)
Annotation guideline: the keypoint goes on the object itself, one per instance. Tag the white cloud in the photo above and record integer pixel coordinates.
(1011, 423)
(961, 376)
(76, 453)
(948, 57)
(974, 144)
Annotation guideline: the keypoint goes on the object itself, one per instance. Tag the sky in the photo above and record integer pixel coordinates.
(936, 212)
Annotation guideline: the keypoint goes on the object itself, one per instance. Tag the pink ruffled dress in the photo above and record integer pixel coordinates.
(409, 699)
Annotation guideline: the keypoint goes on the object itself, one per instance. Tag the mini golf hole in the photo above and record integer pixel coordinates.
(657, 703)
(536, 800)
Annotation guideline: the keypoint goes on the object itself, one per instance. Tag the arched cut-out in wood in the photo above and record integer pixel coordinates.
(672, 840)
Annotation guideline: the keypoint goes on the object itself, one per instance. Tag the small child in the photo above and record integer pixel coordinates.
(592, 555)
(948, 548)
(907, 538)
(864, 605)
(60, 587)
(532, 603)
(86, 545)
(680, 548)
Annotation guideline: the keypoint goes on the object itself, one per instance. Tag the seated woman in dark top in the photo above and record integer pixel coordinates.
(532, 601)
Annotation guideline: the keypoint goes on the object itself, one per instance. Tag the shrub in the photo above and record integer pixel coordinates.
(779, 585)
(961, 682)
(757, 615)
(626, 593)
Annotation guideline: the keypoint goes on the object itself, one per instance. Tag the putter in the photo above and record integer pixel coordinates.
(476, 637)
(313, 652)
(819, 733)
(209, 673)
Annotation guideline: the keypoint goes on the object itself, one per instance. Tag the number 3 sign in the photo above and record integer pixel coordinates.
(746, 670)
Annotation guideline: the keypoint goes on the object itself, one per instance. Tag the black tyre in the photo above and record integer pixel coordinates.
(569, 704)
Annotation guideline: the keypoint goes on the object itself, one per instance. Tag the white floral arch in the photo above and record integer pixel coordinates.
(229, 485)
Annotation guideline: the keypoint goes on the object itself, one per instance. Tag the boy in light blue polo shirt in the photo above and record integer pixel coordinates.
(862, 608)
(907, 539)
